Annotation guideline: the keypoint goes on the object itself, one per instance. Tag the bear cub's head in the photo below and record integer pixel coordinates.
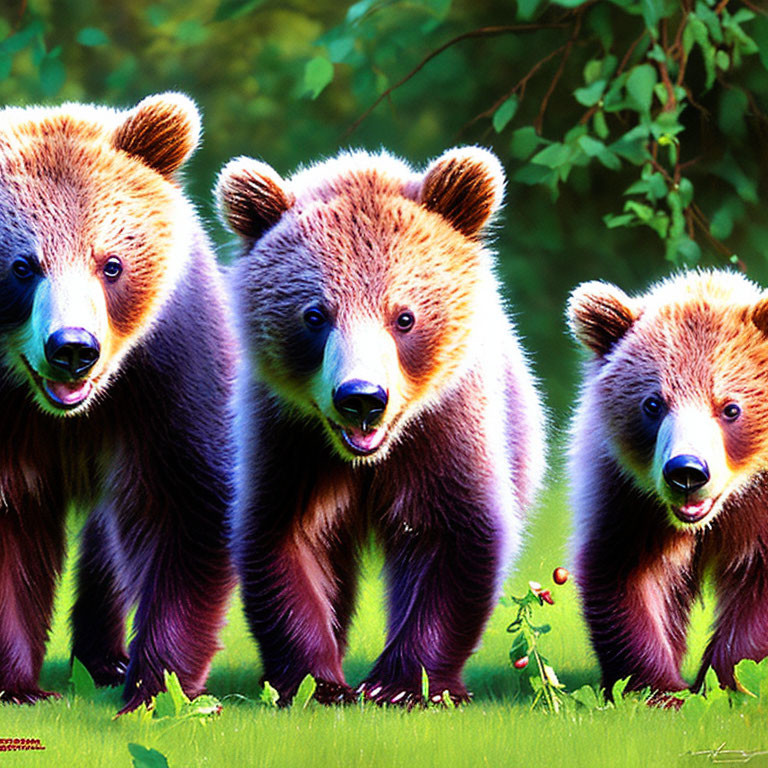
(94, 233)
(361, 284)
(678, 384)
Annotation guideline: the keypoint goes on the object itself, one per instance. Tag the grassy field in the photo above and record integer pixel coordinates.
(498, 729)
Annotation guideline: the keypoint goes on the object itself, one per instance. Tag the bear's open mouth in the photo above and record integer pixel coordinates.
(694, 512)
(61, 394)
(362, 442)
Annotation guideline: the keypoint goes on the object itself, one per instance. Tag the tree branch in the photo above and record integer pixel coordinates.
(475, 33)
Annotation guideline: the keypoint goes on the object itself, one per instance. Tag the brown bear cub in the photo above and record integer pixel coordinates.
(115, 378)
(668, 472)
(389, 394)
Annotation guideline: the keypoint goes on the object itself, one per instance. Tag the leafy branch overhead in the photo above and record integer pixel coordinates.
(666, 101)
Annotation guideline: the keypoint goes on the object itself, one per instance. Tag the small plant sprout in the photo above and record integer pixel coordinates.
(525, 644)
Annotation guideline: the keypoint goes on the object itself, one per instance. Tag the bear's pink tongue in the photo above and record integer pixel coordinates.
(362, 442)
(692, 513)
(68, 392)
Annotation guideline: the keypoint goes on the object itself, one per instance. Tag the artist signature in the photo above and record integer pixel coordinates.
(722, 755)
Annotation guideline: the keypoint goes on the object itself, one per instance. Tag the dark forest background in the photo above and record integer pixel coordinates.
(634, 133)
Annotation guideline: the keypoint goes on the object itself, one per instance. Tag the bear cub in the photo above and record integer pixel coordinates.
(388, 394)
(668, 473)
(116, 367)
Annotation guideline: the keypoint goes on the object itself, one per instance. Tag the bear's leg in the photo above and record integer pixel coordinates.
(442, 587)
(637, 577)
(98, 616)
(174, 544)
(31, 554)
(297, 593)
(182, 602)
(741, 620)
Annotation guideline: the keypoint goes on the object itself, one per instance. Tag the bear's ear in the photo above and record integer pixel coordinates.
(161, 130)
(465, 185)
(599, 314)
(760, 315)
(251, 197)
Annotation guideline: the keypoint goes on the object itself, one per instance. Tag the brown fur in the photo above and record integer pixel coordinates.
(456, 451)
(697, 344)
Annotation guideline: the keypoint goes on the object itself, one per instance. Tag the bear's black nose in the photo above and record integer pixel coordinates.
(686, 473)
(360, 402)
(72, 350)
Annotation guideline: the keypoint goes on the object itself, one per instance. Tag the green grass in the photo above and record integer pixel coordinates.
(496, 730)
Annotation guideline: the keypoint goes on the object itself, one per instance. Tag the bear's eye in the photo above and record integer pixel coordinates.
(112, 268)
(405, 321)
(653, 406)
(22, 269)
(731, 412)
(314, 318)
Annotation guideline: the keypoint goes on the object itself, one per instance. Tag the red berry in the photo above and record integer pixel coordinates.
(521, 663)
(546, 596)
(560, 575)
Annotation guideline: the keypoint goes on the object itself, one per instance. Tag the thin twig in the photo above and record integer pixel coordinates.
(539, 121)
(520, 86)
(475, 33)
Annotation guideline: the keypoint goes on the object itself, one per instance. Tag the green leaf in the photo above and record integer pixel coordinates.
(526, 9)
(599, 20)
(269, 695)
(339, 49)
(233, 9)
(592, 71)
(203, 706)
(591, 94)
(356, 11)
(534, 174)
(524, 141)
(617, 692)
(760, 33)
(52, 75)
(553, 156)
(722, 60)
(519, 647)
(92, 36)
(748, 675)
(164, 705)
(505, 113)
(447, 700)
(600, 125)
(632, 145)
(684, 251)
(147, 758)
(685, 190)
(618, 220)
(173, 686)
(586, 697)
(733, 107)
(23, 38)
(640, 84)
(424, 685)
(305, 692)
(318, 73)
(81, 680)
(653, 12)
(157, 14)
(695, 32)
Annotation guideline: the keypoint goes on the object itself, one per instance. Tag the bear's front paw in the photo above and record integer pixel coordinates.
(328, 692)
(404, 695)
(108, 672)
(27, 695)
(665, 700)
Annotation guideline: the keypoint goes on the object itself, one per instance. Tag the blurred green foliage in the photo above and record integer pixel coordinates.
(634, 132)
